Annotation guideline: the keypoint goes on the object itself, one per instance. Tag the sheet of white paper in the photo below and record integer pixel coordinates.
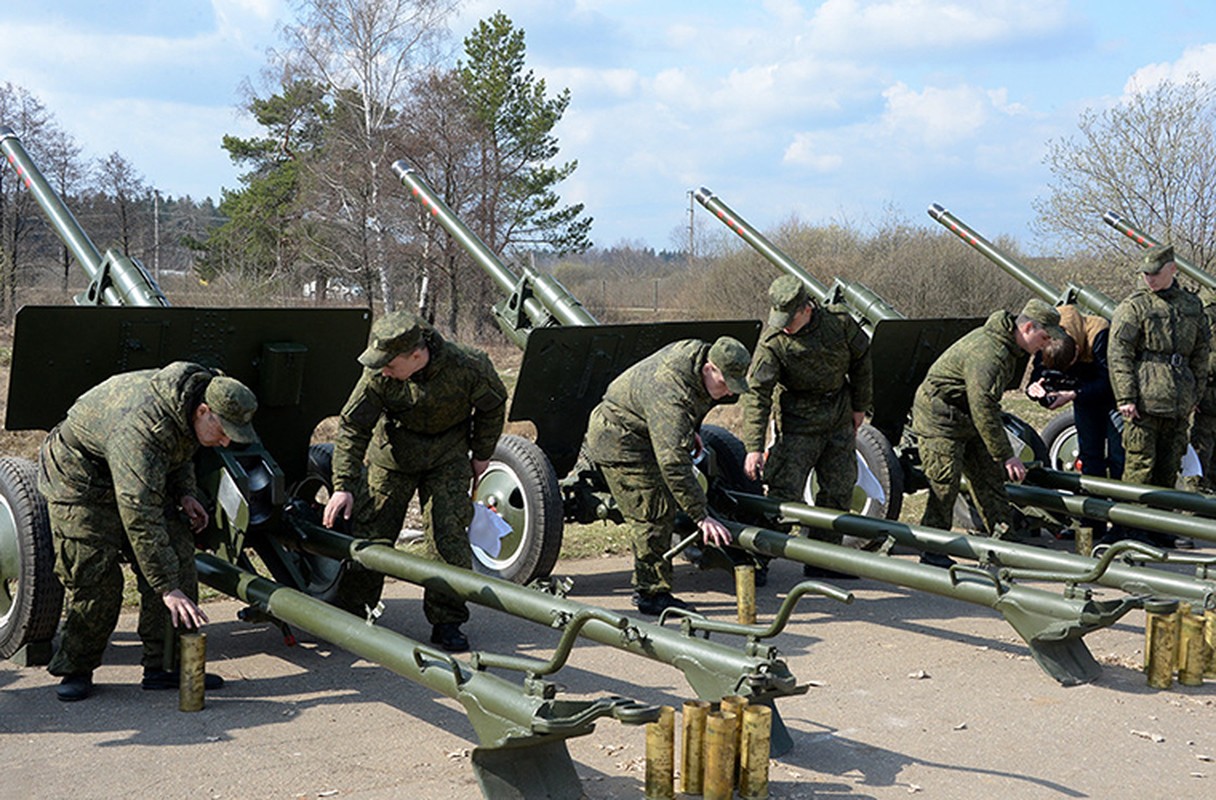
(1190, 463)
(487, 529)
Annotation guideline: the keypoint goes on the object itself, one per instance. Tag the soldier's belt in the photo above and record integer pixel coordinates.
(1173, 359)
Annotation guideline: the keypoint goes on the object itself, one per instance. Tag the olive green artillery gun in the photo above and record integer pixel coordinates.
(902, 351)
(301, 363)
(1060, 432)
(1137, 235)
(1053, 626)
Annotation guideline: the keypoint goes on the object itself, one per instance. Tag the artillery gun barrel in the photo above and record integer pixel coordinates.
(1141, 238)
(1090, 299)
(862, 301)
(116, 279)
(550, 304)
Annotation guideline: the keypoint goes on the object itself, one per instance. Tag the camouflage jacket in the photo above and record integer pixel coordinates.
(814, 379)
(1207, 397)
(651, 412)
(452, 407)
(1158, 351)
(961, 393)
(130, 441)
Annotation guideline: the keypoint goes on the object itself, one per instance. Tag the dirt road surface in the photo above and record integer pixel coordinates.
(911, 695)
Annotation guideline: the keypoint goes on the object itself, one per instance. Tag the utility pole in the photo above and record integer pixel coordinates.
(156, 234)
(691, 230)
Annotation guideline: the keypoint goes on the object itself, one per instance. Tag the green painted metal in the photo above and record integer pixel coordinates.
(1155, 496)
(1199, 589)
(115, 279)
(1137, 235)
(1053, 626)
(527, 722)
(1088, 298)
(711, 668)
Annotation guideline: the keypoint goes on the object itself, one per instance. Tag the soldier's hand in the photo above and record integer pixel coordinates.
(1035, 390)
(1015, 469)
(195, 513)
(753, 463)
(859, 417)
(183, 611)
(339, 506)
(714, 532)
(479, 467)
(1128, 410)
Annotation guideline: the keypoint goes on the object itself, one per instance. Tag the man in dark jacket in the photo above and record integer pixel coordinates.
(118, 476)
(427, 413)
(643, 434)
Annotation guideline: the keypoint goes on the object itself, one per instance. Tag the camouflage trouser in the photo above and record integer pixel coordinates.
(650, 514)
(89, 543)
(1203, 439)
(944, 462)
(447, 511)
(1154, 447)
(833, 456)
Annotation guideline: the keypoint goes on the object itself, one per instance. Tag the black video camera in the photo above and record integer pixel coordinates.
(1054, 381)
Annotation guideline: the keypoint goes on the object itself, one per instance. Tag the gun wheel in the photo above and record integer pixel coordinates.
(521, 486)
(31, 597)
(1063, 446)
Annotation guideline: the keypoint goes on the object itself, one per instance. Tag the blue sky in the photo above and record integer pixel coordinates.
(831, 111)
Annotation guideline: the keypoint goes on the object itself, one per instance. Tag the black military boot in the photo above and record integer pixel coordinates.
(75, 687)
(656, 603)
(449, 636)
(162, 679)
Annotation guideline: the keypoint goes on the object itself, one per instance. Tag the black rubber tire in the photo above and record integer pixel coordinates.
(343, 584)
(521, 485)
(730, 455)
(31, 597)
(880, 457)
(1060, 436)
(1028, 446)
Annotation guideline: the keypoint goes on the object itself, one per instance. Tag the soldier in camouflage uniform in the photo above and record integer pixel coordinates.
(956, 416)
(1203, 427)
(118, 478)
(427, 413)
(642, 436)
(812, 371)
(1159, 349)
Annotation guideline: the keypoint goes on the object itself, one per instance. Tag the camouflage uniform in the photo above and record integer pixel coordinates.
(1159, 349)
(417, 435)
(956, 415)
(1203, 427)
(642, 436)
(812, 381)
(113, 474)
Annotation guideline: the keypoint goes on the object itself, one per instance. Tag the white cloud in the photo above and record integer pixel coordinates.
(587, 82)
(935, 115)
(1200, 60)
(869, 29)
(808, 150)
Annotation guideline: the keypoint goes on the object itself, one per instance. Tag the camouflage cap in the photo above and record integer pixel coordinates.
(732, 360)
(393, 334)
(786, 295)
(233, 404)
(1044, 315)
(1156, 258)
